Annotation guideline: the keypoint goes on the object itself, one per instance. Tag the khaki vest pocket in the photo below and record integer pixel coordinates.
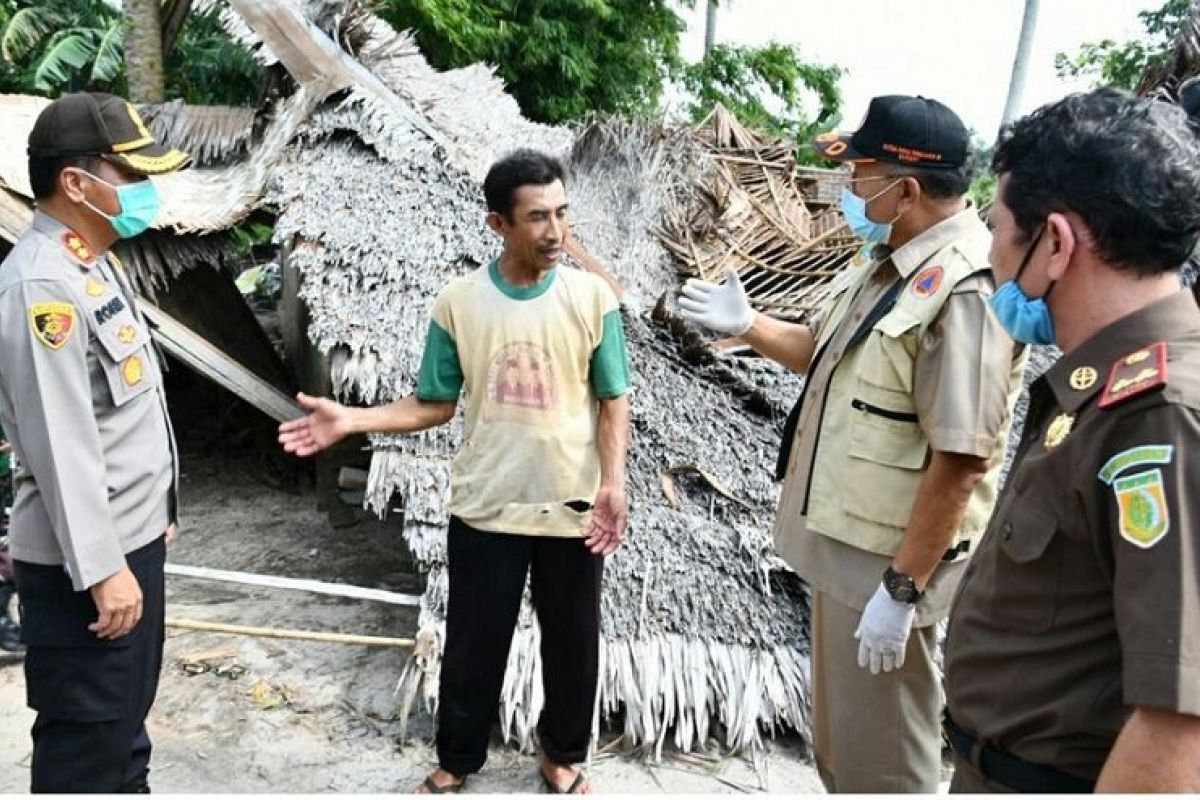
(886, 458)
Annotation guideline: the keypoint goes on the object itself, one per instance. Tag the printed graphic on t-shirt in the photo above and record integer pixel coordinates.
(522, 376)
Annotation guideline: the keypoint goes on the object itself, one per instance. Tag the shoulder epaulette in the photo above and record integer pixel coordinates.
(1139, 372)
(78, 249)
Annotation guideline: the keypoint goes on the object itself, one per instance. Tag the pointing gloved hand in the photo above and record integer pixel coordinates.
(719, 307)
(883, 632)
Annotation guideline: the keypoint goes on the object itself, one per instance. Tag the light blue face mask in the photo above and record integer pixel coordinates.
(1026, 319)
(854, 210)
(139, 203)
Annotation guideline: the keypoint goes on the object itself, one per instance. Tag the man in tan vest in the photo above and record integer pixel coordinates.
(891, 457)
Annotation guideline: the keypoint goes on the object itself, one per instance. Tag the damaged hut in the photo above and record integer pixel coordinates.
(371, 165)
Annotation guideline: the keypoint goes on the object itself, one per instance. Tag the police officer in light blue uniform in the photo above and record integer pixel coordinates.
(82, 400)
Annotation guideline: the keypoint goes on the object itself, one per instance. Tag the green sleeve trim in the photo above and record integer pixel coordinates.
(440, 379)
(610, 373)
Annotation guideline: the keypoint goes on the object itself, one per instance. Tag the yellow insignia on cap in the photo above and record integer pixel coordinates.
(94, 288)
(132, 371)
(126, 334)
(1058, 430)
(1084, 378)
(52, 323)
(1144, 518)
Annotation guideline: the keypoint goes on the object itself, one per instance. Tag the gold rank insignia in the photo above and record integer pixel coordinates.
(78, 248)
(94, 288)
(52, 323)
(1058, 430)
(132, 371)
(1083, 378)
(126, 334)
(1137, 373)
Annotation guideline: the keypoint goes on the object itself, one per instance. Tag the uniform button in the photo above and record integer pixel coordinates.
(1007, 531)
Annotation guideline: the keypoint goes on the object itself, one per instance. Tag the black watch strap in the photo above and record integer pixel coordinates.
(900, 587)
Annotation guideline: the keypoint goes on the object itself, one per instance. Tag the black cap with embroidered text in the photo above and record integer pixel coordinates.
(104, 125)
(900, 129)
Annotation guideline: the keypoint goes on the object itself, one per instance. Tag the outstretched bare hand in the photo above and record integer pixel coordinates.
(328, 423)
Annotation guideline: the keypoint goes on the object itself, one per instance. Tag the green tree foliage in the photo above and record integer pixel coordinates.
(48, 47)
(1122, 64)
(560, 59)
(766, 88)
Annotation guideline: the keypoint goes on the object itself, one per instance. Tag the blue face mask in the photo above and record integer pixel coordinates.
(139, 203)
(1026, 319)
(854, 210)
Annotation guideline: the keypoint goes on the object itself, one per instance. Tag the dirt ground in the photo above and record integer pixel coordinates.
(288, 716)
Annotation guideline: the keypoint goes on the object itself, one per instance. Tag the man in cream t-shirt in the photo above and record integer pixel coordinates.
(538, 485)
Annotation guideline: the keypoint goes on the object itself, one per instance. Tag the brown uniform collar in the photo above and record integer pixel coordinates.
(1082, 373)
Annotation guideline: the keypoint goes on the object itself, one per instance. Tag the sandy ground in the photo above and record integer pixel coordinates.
(287, 716)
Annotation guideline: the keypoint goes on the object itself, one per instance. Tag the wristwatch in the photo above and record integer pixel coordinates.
(901, 587)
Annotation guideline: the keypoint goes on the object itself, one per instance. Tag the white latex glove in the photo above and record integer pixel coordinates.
(883, 632)
(719, 307)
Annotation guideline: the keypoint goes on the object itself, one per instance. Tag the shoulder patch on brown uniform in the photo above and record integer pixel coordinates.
(1135, 374)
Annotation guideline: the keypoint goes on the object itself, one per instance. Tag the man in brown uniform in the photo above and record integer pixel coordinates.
(892, 455)
(1073, 659)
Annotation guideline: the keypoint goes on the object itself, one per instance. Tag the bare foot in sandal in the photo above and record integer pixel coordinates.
(564, 779)
(440, 782)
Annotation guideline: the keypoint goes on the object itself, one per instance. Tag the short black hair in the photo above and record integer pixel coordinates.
(519, 168)
(940, 184)
(1128, 166)
(44, 171)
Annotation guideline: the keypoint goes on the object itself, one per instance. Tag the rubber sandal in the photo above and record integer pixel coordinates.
(449, 788)
(554, 788)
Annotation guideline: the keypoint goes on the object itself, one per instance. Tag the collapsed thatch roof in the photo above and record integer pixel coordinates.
(755, 213)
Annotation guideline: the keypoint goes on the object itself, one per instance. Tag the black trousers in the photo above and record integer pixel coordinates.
(487, 578)
(91, 695)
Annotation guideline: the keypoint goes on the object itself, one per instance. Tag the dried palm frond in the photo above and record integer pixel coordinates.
(208, 133)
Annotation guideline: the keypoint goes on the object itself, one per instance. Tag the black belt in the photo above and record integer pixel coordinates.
(1015, 773)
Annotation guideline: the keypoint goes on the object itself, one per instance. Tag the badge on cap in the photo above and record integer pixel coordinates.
(1137, 373)
(52, 323)
(78, 248)
(928, 282)
(132, 371)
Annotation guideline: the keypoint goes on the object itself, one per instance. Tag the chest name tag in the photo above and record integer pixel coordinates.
(109, 310)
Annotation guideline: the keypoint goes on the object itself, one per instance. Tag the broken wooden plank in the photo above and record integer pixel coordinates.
(297, 584)
(196, 352)
(284, 633)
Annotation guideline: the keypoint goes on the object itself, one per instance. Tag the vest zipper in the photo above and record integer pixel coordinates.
(899, 416)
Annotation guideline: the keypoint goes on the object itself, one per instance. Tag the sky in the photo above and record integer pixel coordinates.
(958, 51)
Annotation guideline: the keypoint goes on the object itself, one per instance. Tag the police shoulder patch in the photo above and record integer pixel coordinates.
(1139, 372)
(52, 323)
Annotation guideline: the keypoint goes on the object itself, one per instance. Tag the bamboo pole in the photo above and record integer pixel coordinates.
(280, 633)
